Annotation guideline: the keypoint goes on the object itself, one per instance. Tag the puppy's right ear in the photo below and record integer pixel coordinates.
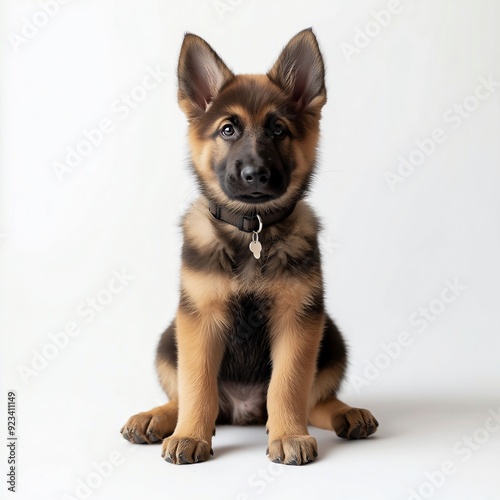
(201, 73)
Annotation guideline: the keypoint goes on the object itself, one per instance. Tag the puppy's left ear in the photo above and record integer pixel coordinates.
(300, 71)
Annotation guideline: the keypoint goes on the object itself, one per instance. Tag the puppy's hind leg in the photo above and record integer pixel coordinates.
(326, 411)
(151, 426)
(346, 421)
(155, 425)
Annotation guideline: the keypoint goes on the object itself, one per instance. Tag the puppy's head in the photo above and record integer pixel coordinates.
(253, 138)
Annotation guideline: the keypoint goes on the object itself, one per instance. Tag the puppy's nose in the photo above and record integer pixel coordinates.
(255, 177)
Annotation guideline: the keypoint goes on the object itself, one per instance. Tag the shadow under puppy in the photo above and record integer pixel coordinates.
(251, 341)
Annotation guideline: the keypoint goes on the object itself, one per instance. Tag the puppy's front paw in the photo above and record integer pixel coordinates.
(293, 450)
(185, 450)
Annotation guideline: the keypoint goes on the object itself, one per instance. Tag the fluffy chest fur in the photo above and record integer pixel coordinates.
(289, 248)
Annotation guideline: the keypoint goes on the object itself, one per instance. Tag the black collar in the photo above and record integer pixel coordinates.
(249, 223)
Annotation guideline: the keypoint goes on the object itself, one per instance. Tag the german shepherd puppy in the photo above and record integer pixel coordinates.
(251, 341)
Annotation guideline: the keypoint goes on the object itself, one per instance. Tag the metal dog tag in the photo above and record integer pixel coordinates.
(255, 246)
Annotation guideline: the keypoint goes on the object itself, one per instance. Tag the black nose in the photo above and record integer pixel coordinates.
(255, 177)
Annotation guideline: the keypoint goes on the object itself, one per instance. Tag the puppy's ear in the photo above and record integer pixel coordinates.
(201, 73)
(300, 71)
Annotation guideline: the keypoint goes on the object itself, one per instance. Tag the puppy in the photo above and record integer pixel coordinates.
(251, 342)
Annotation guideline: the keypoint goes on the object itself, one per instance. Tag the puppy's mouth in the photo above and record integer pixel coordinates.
(255, 197)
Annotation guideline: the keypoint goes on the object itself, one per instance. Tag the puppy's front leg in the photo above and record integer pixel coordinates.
(295, 343)
(200, 346)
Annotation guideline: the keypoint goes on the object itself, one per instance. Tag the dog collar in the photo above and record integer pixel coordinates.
(249, 223)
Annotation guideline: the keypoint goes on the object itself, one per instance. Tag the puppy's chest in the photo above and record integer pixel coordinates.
(273, 259)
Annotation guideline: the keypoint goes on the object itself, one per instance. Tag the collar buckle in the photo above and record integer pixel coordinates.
(242, 223)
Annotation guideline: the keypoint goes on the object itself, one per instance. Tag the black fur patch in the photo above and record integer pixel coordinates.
(247, 357)
(167, 347)
(332, 350)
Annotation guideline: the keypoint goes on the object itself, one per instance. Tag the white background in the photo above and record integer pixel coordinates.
(386, 252)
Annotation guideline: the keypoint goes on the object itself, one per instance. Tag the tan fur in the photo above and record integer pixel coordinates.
(326, 383)
(210, 294)
(197, 373)
(167, 375)
(198, 229)
(294, 344)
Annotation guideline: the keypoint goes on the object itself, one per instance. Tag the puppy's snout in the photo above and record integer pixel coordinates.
(255, 177)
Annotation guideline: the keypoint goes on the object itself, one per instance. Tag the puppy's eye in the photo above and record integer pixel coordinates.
(228, 130)
(275, 129)
(279, 130)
